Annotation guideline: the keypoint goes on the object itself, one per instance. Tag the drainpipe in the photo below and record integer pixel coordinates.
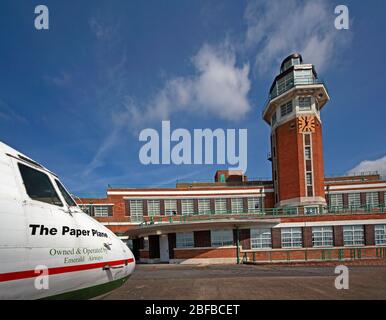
(238, 245)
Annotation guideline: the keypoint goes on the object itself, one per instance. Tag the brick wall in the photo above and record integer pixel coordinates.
(338, 236)
(307, 237)
(318, 162)
(290, 165)
(276, 238)
(228, 252)
(369, 235)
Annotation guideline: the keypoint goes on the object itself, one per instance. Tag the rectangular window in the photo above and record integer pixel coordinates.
(372, 199)
(204, 206)
(184, 240)
(136, 210)
(237, 205)
(220, 238)
(153, 208)
(304, 77)
(353, 235)
(309, 178)
(322, 237)
(291, 237)
(307, 153)
(254, 205)
(380, 234)
(304, 103)
(38, 186)
(286, 108)
(307, 139)
(261, 238)
(336, 200)
(311, 210)
(187, 207)
(87, 209)
(220, 206)
(101, 211)
(354, 200)
(67, 197)
(285, 83)
(170, 207)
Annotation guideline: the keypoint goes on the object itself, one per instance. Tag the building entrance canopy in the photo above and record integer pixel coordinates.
(198, 225)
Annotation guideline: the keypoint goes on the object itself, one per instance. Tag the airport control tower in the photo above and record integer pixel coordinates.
(293, 110)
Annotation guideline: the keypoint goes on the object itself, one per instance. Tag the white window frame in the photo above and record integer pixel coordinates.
(354, 235)
(372, 199)
(380, 234)
(204, 206)
(252, 201)
(153, 208)
(221, 238)
(354, 199)
(184, 240)
(291, 237)
(303, 105)
(170, 206)
(101, 210)
(136, 210)
(220, 206)
(286, 109)
(323, 236)
(336, 200)
(237, 205)
(187, 207)
(314, 209)
(261, 238)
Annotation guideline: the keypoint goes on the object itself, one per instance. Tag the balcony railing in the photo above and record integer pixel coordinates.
(296, 82)
(265, 213)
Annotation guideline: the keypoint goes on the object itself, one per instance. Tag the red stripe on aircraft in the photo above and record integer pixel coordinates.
(58, 270)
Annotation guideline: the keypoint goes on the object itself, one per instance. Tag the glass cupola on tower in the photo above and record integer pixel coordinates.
(292, 72)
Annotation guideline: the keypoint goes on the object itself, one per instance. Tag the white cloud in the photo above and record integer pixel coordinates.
(371, 165)
(279, 28)
(219, 88)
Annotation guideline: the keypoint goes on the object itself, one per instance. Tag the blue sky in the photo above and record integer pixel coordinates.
(75, 97)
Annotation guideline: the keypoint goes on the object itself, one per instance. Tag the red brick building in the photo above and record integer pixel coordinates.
(300, 215)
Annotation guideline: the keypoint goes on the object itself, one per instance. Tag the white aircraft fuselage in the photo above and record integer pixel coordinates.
(49, 248)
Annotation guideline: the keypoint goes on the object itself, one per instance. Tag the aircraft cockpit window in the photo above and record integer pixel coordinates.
(38, 186)
(65, 194)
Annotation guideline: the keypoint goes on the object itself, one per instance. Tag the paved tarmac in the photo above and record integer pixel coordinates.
(156, 282)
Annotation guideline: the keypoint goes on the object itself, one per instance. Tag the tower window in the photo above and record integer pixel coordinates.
(304, 103)
(286, 108)
(307, 153)
(285, 83)
(309, 179)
